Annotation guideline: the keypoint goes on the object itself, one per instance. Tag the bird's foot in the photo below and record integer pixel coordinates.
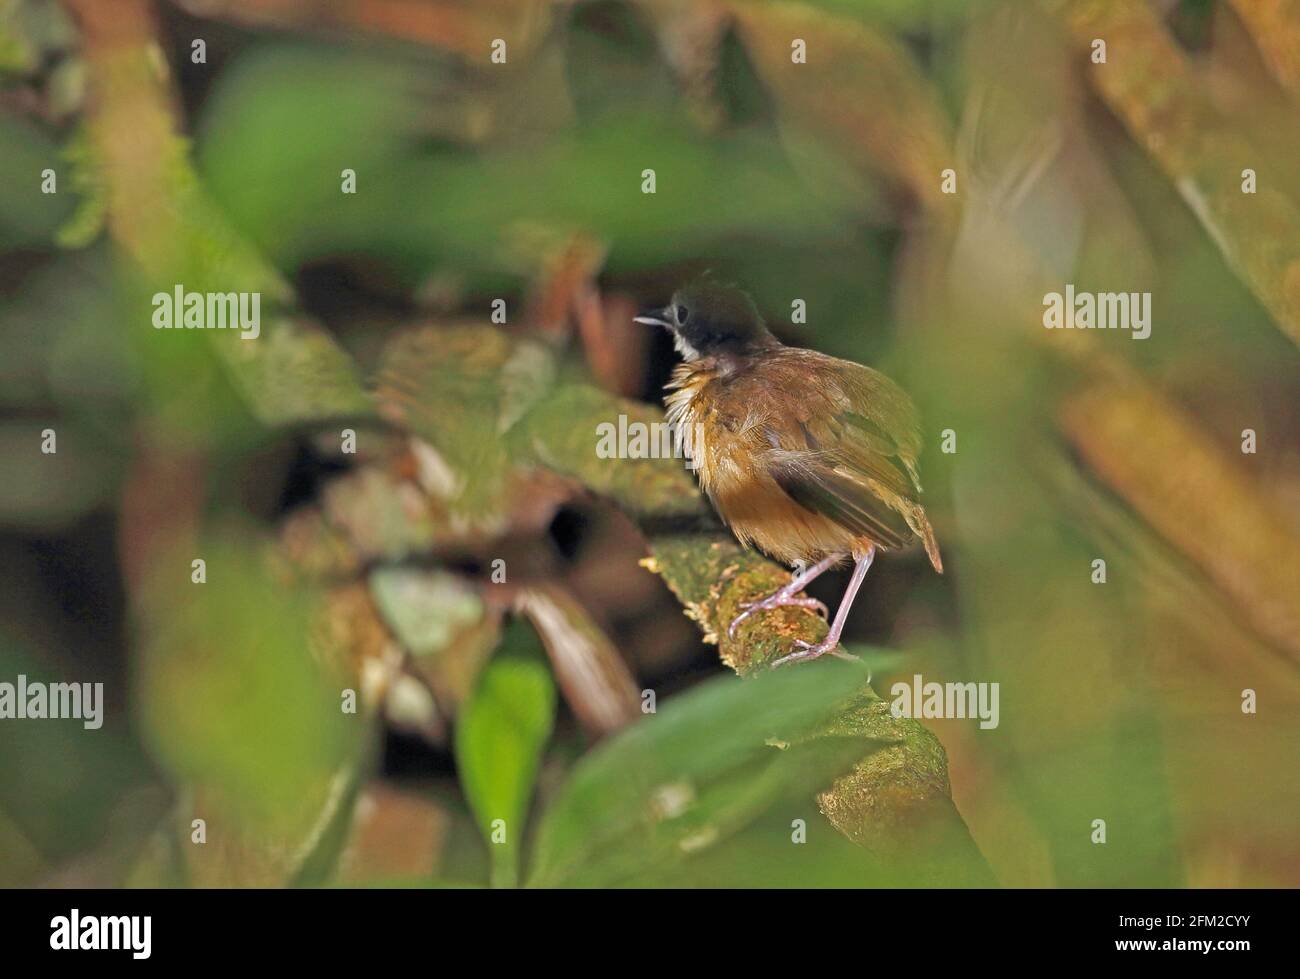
(778, 599)
(808, 650)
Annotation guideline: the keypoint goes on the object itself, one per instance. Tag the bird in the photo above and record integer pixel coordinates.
(808, 458)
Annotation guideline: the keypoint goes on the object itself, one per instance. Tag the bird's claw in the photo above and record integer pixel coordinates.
(808, 650)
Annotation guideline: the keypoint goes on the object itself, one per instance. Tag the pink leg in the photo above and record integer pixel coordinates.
(786, 595)
(827, 645)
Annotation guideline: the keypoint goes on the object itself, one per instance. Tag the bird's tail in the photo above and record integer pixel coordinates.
(920, 523)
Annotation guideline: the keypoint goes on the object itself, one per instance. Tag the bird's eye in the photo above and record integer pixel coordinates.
(680, 313)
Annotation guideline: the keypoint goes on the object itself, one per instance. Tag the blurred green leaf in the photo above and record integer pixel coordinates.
(904, 15)
(426, 609)
(47, 491)
(612, 63)
(461, 387)
(231, 697)
(413, 884)
(500, 735)
(59, 780)
(701, 768)
(31, 30)
(86, 177)
(29, 217)
(764, 852)
(489, 209)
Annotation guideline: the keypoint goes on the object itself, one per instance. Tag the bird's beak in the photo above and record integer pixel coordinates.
(656, 317)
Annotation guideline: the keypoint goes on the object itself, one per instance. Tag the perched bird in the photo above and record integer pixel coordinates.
(807, 457)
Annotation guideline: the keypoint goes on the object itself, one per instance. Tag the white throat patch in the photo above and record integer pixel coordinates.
(688, 352)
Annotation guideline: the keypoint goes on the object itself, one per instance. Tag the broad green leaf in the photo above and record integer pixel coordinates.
(702, 767)
(500, 735)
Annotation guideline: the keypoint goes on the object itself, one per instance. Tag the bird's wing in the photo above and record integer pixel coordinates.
(837, 494)
(879, 425)
(841, 440)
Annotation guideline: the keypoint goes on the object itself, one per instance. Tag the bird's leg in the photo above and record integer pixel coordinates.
(786, 595)
(827, 645)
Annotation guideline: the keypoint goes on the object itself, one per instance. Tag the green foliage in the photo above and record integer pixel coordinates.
(230, 695)
(425, 609)
(486, 212)
(500, 735)
(694, 773)
(27, 216)
(29, 31)
(86, 180)
(60, 782)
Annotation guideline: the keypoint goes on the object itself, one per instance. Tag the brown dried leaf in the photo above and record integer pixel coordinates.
(588, 668)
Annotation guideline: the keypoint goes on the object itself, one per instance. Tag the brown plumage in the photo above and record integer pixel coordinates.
(804, 455)
(807, 457)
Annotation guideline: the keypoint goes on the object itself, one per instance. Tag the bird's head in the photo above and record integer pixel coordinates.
(708, 318)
